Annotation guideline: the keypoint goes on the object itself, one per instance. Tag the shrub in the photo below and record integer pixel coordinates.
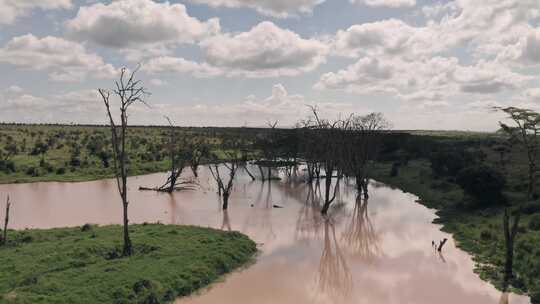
(535, 297)
(482, 182)
(534, 222)
(531, 207)
(7, 166)
(395, 169)
(32, 171)
(75, 161)
(61, 171)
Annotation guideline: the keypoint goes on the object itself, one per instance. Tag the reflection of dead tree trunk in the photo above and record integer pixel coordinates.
(309, 218)
(6, 222)
(226, 223)
(129, 91)
(509, 239)
(224, 189)
(359, 235)
(504, 298)
(334, 277)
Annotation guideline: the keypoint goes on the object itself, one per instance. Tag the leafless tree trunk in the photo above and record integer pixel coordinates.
(224, 188)
(6, 222)
(509, 239)
(129, 91)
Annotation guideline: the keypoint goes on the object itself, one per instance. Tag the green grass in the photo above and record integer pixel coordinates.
(69, 265)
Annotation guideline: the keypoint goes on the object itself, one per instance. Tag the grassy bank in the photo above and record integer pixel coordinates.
(477, 231)
(74, 265)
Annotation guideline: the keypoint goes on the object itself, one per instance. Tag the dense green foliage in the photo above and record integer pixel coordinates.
(83, 265)
(483, 183)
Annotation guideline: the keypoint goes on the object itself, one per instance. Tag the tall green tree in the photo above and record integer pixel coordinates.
(525, 130)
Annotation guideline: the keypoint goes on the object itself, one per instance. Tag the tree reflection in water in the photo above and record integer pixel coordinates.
(259, 218)
(359, 236)
(309, 219)
(226, 223)
(504, 298)
(334, 278)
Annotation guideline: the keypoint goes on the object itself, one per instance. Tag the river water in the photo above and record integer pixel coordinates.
(376, 251)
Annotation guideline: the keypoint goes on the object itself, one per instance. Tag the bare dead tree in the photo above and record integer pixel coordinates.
(330, 137)
(224, 186)
(361, 146)
(198, 149)
(6, 222)
(179, 158)
(510, 233)
(129, 91)
(231, 164)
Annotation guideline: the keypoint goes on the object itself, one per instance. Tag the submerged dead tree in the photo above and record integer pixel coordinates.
(361, 146)
(225, 181)
(179, 159)
(330, 138)
(3, 241)
(197, 150)
(129, 91)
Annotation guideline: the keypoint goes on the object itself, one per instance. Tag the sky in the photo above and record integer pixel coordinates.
(423, 64)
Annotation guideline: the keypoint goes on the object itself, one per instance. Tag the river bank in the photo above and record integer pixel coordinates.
(476, 231)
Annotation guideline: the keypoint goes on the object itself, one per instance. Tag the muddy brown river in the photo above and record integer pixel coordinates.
(376, 251)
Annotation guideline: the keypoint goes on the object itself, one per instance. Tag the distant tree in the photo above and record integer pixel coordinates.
(129, 91)
(11, 149)
(40, 148)
(525, 131)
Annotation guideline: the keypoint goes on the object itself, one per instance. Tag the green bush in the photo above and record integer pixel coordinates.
(534, 222)
(531, 207)
(32, 171)
(535, 297)
(482, 182)
(7, 166)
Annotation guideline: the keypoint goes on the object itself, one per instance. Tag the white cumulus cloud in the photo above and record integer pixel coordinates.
(275, 8)
(265, 50)
(65, 60)
(133, 23)
(10, 10)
